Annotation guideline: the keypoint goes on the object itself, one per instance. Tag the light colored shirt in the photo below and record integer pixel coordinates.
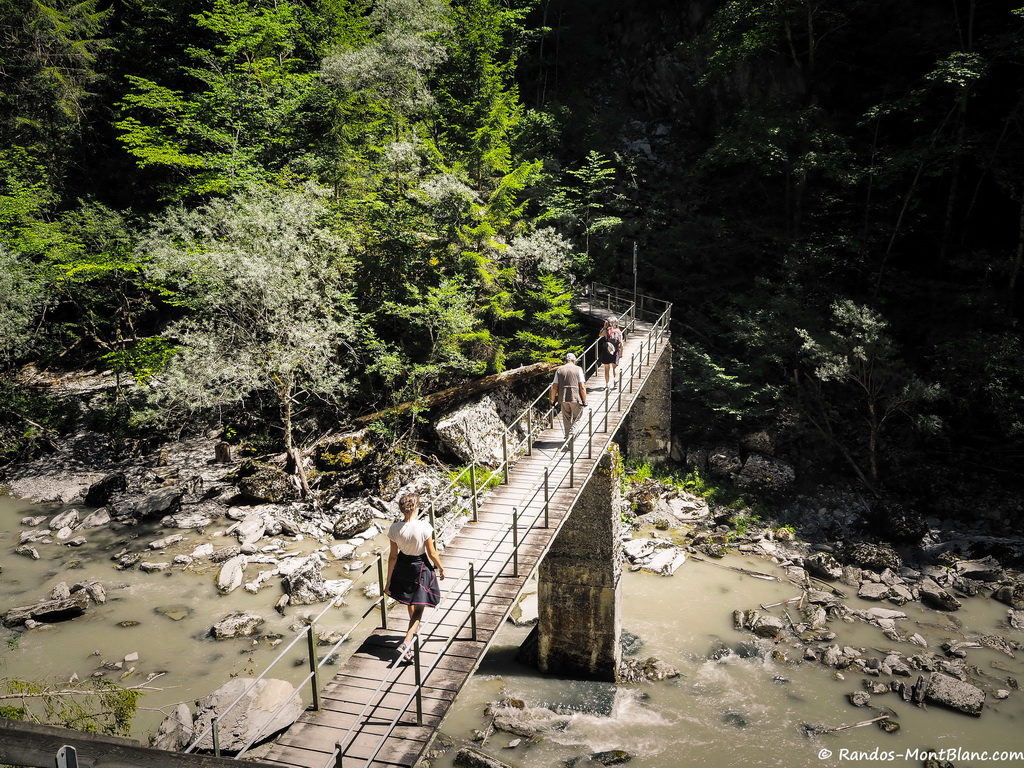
(568, 379)
(411, 537)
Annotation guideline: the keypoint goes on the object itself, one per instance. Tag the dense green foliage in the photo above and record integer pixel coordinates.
(288, 213)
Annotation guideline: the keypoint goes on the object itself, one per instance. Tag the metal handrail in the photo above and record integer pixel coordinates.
(626, 311)
(653, 340)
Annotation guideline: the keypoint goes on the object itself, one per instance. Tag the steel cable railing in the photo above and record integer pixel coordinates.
(654, 339)
(626, 311)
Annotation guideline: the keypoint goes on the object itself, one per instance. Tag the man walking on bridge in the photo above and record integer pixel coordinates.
(570, 388)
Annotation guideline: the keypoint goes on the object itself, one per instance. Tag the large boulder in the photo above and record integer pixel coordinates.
(873, 557)
(305, 585)
(253, 718)
(352, 517)
(267, 484)
(724, 462)
(765, 475)
(175, 731)
(101, 492)
(241, 624)
(824, 566)
(165, 501)
(955, 694)
(1012, 594)
(49, 611)
(232, 574)
(474, 431)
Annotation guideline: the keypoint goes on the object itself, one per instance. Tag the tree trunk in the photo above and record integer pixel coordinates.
(452, 395)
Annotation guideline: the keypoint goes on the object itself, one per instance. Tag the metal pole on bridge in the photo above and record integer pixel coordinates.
(314, 680)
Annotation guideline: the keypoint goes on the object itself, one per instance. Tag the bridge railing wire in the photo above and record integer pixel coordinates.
(517, 439)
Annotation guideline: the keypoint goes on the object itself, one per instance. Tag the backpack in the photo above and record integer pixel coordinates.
(614, 340)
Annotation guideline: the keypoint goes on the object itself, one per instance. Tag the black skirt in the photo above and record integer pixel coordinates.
(604, 357)
(413, 582)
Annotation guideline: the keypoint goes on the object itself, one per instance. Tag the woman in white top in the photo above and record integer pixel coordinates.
(411, 567)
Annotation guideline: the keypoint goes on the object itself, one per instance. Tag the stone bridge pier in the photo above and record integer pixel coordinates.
(579, 591)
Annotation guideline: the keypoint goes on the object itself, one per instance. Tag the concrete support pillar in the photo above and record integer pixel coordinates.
(648, 429)
(579, 584)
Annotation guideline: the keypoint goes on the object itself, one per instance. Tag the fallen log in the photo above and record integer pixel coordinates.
(452, 395)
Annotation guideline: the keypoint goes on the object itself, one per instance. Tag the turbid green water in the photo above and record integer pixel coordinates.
(730, 710)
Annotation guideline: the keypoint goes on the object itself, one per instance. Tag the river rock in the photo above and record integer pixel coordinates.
(250, 529)
(955, 694)
(936, 597)
(239, 624)
(633, 671)
(824, 566)
(66, 519)
(874, 557)
(467, 757)
(232, 574)
(192, 519)
(95, 519)
(48, 611)
(305, 584)
(252, 717)
(768, 626)
(666, 561)
(986, 569)
(166, 541)
(165, 501)
(351, 517)
(765, 475)
(93, 589)
(872, 591)
(100, 492)
(640, 550)
(267, 484)
(175, 731)
(1011, 594)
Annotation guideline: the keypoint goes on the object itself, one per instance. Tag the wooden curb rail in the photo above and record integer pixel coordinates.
(34, 745)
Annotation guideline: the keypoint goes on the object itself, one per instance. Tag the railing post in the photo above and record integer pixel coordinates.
(472, 488)
(472, 600)
(547, 497)
(632, 375)
(383, 597)
(341, 755)
(215, 726)
(529, 431)
(515, 542)
(572, 460)
(607, 407)
(590, 434)
(618, 394)
(314, 680)
(419, 681)
(504, 456)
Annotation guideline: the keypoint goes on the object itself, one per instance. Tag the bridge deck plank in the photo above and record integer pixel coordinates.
(369, 691)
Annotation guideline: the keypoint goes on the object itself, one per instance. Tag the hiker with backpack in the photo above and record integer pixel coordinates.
(609, 349)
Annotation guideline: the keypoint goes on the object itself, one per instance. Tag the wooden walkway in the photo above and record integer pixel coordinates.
(369, 715)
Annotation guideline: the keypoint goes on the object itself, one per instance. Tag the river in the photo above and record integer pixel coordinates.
(737, 702)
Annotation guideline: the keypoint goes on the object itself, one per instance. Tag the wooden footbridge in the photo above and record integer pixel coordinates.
(379, 711)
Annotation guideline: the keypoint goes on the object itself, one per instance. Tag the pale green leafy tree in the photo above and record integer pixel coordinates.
(22, 298)
(393, 67)
(855, 364)
(267, 285)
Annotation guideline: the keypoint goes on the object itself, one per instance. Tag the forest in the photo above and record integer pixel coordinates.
(269, 217)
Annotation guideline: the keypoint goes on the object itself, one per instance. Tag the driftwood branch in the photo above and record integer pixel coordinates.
(454, 395)
(822, 729)
(744, 571)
